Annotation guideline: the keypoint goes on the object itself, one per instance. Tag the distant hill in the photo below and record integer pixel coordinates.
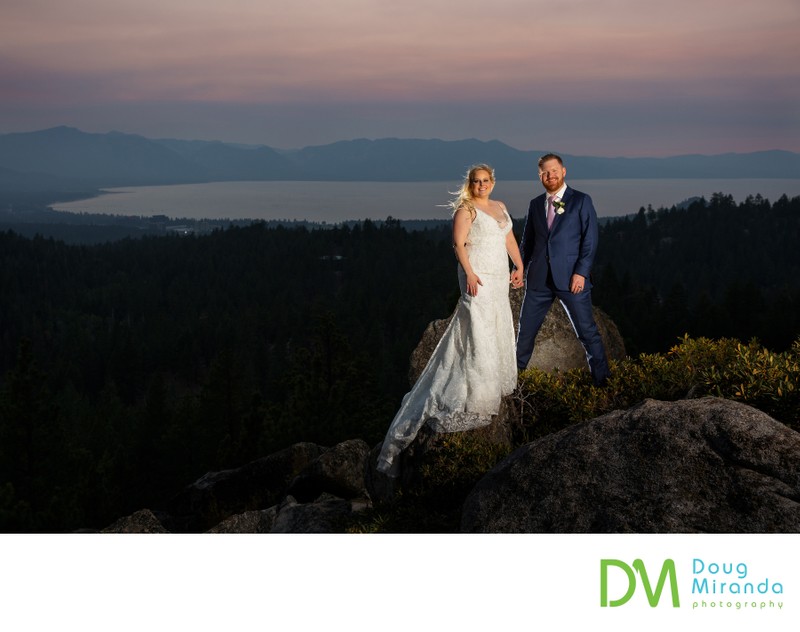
(72, 158)
(96, 159)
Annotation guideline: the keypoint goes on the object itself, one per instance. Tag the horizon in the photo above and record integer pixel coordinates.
(386, 138)
(621, 80)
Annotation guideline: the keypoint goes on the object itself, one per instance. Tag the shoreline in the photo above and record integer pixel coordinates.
(333, 202)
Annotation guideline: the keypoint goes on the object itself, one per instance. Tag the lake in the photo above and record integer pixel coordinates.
(334, 202)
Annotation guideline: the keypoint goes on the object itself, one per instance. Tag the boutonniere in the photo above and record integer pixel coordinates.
(559, 206)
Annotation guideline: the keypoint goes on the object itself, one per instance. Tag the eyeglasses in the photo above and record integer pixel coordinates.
(484, 181)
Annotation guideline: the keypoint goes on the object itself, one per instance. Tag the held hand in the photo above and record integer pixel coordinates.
(576, 284)
(516, 278)
(473, 281)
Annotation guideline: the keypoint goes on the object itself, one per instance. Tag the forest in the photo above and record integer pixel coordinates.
(132, 367)
(714, 268)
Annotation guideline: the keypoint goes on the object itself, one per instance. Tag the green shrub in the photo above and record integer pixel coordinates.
(694, 367)
(763, 379)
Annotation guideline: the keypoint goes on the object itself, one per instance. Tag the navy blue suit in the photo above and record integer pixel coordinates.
(550, 258)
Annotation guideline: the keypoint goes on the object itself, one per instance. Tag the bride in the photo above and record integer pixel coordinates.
(474, 365)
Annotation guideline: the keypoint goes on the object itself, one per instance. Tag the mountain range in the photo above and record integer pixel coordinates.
(65, 158)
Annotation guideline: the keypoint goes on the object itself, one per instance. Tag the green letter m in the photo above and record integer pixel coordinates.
(667, 569)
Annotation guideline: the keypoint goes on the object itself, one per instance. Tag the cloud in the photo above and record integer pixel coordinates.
(420, 58)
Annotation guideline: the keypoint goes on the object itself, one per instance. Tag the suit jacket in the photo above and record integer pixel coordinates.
(568, 248)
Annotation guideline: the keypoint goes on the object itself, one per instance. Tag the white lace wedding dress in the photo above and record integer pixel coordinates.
(474, 364)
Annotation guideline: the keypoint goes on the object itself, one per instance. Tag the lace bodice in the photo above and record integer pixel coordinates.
(486, 246)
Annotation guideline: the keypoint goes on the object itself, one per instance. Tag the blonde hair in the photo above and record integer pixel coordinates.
(463, 197)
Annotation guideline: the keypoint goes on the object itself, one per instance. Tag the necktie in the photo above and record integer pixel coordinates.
(551, 211)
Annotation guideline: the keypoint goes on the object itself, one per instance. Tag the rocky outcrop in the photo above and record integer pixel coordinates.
(143, 521)
(259, 521)
(327, 514)
(302, 489)
(692, 466)
(557, 347)
(338, 471)
(256, 485)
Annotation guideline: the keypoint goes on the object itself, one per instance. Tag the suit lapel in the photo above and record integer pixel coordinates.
(540, 212)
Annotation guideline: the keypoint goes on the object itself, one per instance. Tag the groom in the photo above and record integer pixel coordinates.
(558, 245)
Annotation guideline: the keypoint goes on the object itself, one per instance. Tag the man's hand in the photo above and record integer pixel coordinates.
(576, 284)
(516, 278)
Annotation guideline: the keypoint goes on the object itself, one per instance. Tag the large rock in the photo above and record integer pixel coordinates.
(256, 485)
(258, 521)
(338, 471)
(327, 514)
(302, 489)
(142, 521)
(704, 465)
(557, 347)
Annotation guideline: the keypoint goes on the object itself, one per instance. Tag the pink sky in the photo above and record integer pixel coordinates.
(611, 77)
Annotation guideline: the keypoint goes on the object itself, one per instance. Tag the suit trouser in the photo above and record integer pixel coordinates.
(535, 306)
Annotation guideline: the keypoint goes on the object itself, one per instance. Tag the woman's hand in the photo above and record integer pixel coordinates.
(473, 281)
(516, 278)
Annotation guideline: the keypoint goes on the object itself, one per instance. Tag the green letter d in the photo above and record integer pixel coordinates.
(604, 602)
